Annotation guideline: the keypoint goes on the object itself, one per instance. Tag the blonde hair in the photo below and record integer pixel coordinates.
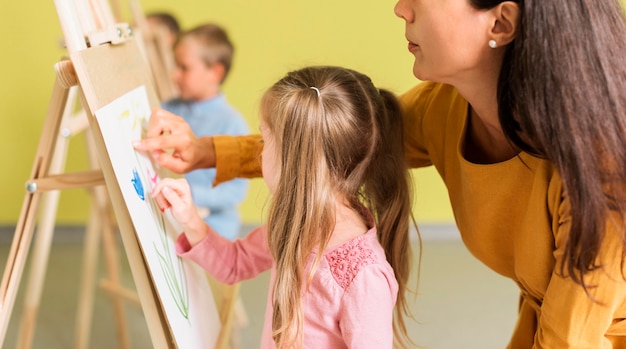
(215, 45)
(335, 133)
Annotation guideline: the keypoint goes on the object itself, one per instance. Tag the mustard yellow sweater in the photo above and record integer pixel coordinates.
(512, 215)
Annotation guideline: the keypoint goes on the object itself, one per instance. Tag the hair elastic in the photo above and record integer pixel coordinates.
(316, 90)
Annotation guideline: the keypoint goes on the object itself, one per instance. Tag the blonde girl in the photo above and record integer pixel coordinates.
(337, 229)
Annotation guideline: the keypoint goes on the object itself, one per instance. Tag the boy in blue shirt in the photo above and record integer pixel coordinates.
(203, 59)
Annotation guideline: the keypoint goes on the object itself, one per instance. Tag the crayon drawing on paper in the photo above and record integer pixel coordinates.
(182, 286)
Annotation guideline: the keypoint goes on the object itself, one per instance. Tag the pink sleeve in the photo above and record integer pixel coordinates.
(366, 318)
(229, 261)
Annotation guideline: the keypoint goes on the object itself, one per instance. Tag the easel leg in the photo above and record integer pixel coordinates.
(39, 261)
(45, 232)
(239, 323)
(110, 247)
(226, 298)
(87, 288)
(100, 219)
(24, 230)
(100, 227)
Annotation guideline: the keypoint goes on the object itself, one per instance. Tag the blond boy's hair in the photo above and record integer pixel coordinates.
(215, 45)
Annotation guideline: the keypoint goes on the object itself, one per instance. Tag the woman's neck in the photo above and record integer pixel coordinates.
(485, 141)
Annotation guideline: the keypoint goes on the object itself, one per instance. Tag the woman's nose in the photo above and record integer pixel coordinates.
(400, 9)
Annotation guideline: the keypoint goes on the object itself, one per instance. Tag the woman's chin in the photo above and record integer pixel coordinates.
(419, 73)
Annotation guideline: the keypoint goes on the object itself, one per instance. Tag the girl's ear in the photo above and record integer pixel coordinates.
(505, 22)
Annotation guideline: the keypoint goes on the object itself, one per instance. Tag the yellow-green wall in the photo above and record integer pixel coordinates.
(271, 38)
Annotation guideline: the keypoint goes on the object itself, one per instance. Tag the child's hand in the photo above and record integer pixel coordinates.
(175, 195)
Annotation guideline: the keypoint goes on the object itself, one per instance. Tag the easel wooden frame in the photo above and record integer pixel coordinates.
(100, 217)
(53, 145)
(157, 52)
(50, 157)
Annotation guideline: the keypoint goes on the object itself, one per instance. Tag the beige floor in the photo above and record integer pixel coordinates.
(460, 304)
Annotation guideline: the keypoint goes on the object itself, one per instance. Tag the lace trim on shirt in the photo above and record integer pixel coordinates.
(347, 260)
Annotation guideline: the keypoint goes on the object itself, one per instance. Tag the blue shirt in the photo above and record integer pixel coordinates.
(206, 118)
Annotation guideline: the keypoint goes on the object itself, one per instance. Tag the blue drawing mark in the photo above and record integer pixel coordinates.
(137, 184)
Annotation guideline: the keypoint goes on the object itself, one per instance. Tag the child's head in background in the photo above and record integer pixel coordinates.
(166, 22)
(203, 59)
(330, 138)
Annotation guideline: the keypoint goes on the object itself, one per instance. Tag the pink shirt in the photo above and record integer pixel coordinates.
(350, 300)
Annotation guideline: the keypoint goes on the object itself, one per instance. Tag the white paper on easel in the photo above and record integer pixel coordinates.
(181, 285)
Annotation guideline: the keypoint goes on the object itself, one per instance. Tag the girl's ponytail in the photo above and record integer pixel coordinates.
(389, 191)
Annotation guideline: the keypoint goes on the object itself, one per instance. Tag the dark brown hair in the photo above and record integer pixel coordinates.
(562, 96)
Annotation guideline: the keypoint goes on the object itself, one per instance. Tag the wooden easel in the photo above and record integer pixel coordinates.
(157, 53)
(99, 222)
(99, 226)
(50, 158)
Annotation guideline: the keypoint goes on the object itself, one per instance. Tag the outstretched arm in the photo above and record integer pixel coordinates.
(228, 261)
(173, 145)
(237, 157)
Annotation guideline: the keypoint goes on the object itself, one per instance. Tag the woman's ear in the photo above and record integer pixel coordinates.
(505, 22)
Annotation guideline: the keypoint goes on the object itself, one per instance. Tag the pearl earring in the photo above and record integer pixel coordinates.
(492, 43)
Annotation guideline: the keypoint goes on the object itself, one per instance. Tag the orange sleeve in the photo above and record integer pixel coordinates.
(237, 157)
